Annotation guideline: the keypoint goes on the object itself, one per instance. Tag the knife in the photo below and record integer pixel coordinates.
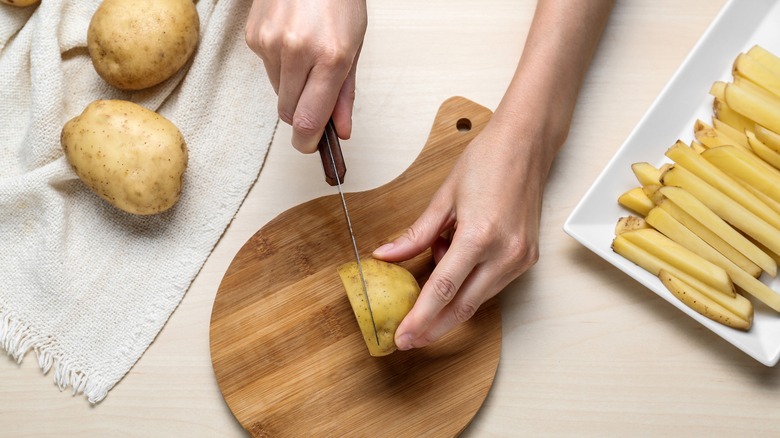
(335, 169)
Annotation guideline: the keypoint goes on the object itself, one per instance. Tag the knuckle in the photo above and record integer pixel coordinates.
(334, 57)
(260, 39)
(464, 311)
(521, 254)
(443, 288)
(305, 123)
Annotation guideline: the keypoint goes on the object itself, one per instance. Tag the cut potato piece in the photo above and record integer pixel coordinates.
(707, 217)
(702, 304)
(725, 207)
(636, 200)
(392, 291)
(710, 237)
(686, 263)
(646, 173)
(654, 265)
(717, 178)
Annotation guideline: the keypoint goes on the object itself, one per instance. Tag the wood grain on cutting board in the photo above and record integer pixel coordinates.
(286, 349)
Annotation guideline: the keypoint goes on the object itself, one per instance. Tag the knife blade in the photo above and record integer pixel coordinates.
(335, 169)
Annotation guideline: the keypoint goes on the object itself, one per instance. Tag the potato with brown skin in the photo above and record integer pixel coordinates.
(20, 3)
(130, 156)
(392, 291)
(136, 44)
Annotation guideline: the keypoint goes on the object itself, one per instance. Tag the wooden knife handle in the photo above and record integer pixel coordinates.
(332, 175)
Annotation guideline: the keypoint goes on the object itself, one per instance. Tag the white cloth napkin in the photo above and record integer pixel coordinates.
(83, 284)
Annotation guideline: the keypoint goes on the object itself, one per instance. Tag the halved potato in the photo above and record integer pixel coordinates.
(392, 291)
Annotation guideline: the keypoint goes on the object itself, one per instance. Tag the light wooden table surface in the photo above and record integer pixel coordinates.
(587, 351)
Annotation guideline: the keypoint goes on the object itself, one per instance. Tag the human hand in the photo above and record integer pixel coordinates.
(491, 205)
(310, 49)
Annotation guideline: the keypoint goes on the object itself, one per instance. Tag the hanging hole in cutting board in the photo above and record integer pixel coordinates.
(463, 125)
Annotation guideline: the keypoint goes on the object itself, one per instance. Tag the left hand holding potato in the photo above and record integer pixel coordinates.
(492, 203)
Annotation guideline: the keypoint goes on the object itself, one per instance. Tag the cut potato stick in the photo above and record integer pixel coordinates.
(702, 304)
(747, 167)
(727, 115)
(725, 207)
(747, 67)
(753, 87)
(763, 151)
(636, 201)
(769, 138)
(682, 259)
(651, 191)
(774, 205)
(662, 221)
(753, 106)
(711, 137)
(681, 154)
(697, 147)
(731, 132)
(666, 224)
(692, 205)
(710, 237)
(630, 223)
(718, 90)
(765, 58)
(769, 252)
(654, 265)
(646, 173)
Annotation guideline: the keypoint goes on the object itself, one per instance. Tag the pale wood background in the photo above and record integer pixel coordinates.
(587, 351)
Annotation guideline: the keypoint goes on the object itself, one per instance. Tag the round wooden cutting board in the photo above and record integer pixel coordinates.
(286, 348)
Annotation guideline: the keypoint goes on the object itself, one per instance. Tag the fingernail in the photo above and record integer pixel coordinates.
(404, 342)
(384, 248)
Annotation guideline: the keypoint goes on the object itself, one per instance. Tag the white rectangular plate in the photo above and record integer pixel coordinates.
(738, 26)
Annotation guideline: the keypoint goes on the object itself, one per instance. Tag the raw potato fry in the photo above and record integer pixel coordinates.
(686, 263)
(753, 87)
(766, 58)
(730, 132)
(646, 173)
(666, 224)
(711, 137)
(774, 205)
(753, 106)
(696, 164)
(702, 304)
(629, 223)
(763, 151)
(728, 209)
(718, 90)
(698, 147)
(654, 265)
(747, 167)
(769, 138)
(749, 68)
(652, 193)
(727, 115)
(702, 213)
(710, 237)
(636, 200)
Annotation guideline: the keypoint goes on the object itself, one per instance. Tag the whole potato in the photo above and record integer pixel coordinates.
(392, 291)
(136, 44)
(20, 3)
(130, 156)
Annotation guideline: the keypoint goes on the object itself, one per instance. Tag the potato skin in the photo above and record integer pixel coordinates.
(392, 291)
(136, 44)
(20, 3)
(130, 156)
